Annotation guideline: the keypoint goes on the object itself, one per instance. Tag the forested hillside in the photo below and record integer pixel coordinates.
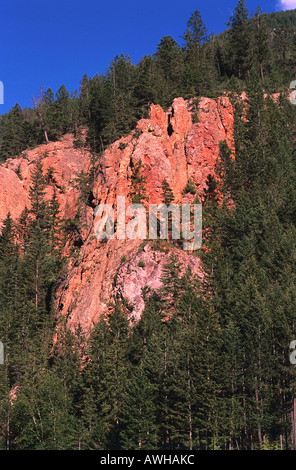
(207, 365)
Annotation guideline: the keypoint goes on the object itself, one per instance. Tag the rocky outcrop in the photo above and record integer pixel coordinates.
(171, 147)
(145, 271)
(60, 161)
(215, 124)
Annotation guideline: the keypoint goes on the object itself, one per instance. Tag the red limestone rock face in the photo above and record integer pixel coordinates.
(15, 176)
(171, 147)
(13, 194)
(145, 270)
(202, 141)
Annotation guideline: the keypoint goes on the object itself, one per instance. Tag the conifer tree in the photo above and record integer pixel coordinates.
(239, 40)
(261, 46)
(196, 32)
(167, 193)
(138, 183)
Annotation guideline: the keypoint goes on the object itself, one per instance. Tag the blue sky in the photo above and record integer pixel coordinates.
(55, 42)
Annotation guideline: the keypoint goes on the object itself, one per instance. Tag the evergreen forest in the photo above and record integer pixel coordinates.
(207, 367)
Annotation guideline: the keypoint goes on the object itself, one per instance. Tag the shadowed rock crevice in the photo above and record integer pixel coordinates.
(170, 129)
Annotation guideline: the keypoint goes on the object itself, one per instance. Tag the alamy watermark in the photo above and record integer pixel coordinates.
(293, 353)
(293, 94)
(1, 353)
(1, 93)
(134, 221)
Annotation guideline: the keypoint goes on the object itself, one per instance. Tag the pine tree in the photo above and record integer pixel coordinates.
(167, 193)
(36, 195)
(62, 110)
(139, 411)
(196, 32)
(42, 417)
(107, 374)
(261, 46)
(170, 63)
(84, 100)
(239, 40)
(138, 183)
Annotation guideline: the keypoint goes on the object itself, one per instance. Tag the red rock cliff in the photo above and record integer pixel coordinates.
(171, 147)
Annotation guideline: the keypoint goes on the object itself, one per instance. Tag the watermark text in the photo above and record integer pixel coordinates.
(135, 221)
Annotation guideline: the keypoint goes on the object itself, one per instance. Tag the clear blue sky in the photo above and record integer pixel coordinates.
(55, 42)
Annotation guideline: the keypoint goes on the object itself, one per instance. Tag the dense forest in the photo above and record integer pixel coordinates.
(207, 365)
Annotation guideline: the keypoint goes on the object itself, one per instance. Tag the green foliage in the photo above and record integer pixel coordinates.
(196, 32)
(138, 183)
(239, 39)
(122, 145)
(167, 193)
(190, 188)
(247, 266)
